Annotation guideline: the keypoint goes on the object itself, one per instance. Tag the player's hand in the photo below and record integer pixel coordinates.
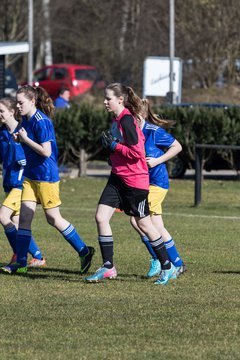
(151, 162)
(108, 140)
(15, 137)
(22, 135)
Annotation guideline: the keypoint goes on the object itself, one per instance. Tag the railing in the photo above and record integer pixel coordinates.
(198, 166)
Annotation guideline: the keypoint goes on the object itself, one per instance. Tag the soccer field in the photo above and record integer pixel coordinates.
(51, 314)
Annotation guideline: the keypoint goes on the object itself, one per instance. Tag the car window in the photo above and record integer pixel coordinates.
(88, 74)
(41, 75)
(58, 74)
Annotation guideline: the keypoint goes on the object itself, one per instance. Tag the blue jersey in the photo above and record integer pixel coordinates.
(61, 103)
(156, 140)
(40, 168)
(13, 160)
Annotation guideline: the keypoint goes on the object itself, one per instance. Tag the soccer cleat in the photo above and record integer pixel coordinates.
(37, 263)
(181, 269)
(14, 268)
(101, 274)
(86, 260)
(13, 259)
(155, 268)
(166, 275)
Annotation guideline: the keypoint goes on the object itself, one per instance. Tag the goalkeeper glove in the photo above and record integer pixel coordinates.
(108, 140)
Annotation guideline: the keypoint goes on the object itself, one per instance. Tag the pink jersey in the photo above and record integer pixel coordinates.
(128, 159)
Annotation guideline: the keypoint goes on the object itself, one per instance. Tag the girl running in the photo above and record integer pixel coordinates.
(128, 184)
(41, 183)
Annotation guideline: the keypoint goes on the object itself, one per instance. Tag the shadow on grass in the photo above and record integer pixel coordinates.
(62, 274)
(120, 277)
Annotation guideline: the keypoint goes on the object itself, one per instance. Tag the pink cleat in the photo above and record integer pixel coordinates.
(101, 274)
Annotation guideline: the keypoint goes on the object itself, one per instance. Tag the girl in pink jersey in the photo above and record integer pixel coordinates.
(128, 184)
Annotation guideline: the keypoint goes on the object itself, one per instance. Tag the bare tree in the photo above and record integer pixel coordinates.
(208, 35)
(12, 15)
(117, 36)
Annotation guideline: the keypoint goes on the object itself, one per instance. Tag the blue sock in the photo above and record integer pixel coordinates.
(34, 250)
(11, 234)
(23, 240)
(72, 237)
(146, 242)
(173, 253)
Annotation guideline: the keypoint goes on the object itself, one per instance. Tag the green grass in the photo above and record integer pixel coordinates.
(52, 314)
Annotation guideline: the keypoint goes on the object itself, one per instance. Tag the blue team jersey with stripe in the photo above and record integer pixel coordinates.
(40, 129)
(13, 160)
(156, 141)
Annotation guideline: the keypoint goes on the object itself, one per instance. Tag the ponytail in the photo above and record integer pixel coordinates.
(133, 102)
(44, 102)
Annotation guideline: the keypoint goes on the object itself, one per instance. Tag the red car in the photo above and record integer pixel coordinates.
(78, 78)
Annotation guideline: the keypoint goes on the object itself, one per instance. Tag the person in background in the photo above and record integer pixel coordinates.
(13, 162)
(41, 177)
(62, 101)
(157, 139)
(128, 184)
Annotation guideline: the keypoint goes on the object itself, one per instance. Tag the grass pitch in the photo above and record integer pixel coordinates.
(52, 314)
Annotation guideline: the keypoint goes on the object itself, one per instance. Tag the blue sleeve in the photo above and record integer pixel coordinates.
(163, 138)
(19, 153)
(43, 131)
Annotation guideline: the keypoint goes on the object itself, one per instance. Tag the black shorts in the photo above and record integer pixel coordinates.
(133, 201)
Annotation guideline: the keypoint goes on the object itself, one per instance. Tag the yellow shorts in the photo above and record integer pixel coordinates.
(13, 201)
(155, 198)
(44, 193)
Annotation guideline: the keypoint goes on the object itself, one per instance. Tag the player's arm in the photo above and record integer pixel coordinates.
(172, 151)
(42, 149)
(130, 149)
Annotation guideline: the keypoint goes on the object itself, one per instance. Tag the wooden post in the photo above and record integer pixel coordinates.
(198, 165)
(198, 175)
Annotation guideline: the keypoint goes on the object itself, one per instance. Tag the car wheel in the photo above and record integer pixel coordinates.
(176, 168)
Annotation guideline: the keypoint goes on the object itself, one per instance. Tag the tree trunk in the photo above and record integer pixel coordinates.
(82, 163)
(47, 33)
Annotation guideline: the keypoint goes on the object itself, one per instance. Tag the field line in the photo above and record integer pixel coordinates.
(225, 217)
(204, 216)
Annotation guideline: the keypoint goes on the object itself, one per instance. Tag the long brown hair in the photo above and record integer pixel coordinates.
(43, 101)
(154, 118)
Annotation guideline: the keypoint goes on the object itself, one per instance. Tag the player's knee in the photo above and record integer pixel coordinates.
(51, 221)
(100, 218)
(143, 226)
(4, 220)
